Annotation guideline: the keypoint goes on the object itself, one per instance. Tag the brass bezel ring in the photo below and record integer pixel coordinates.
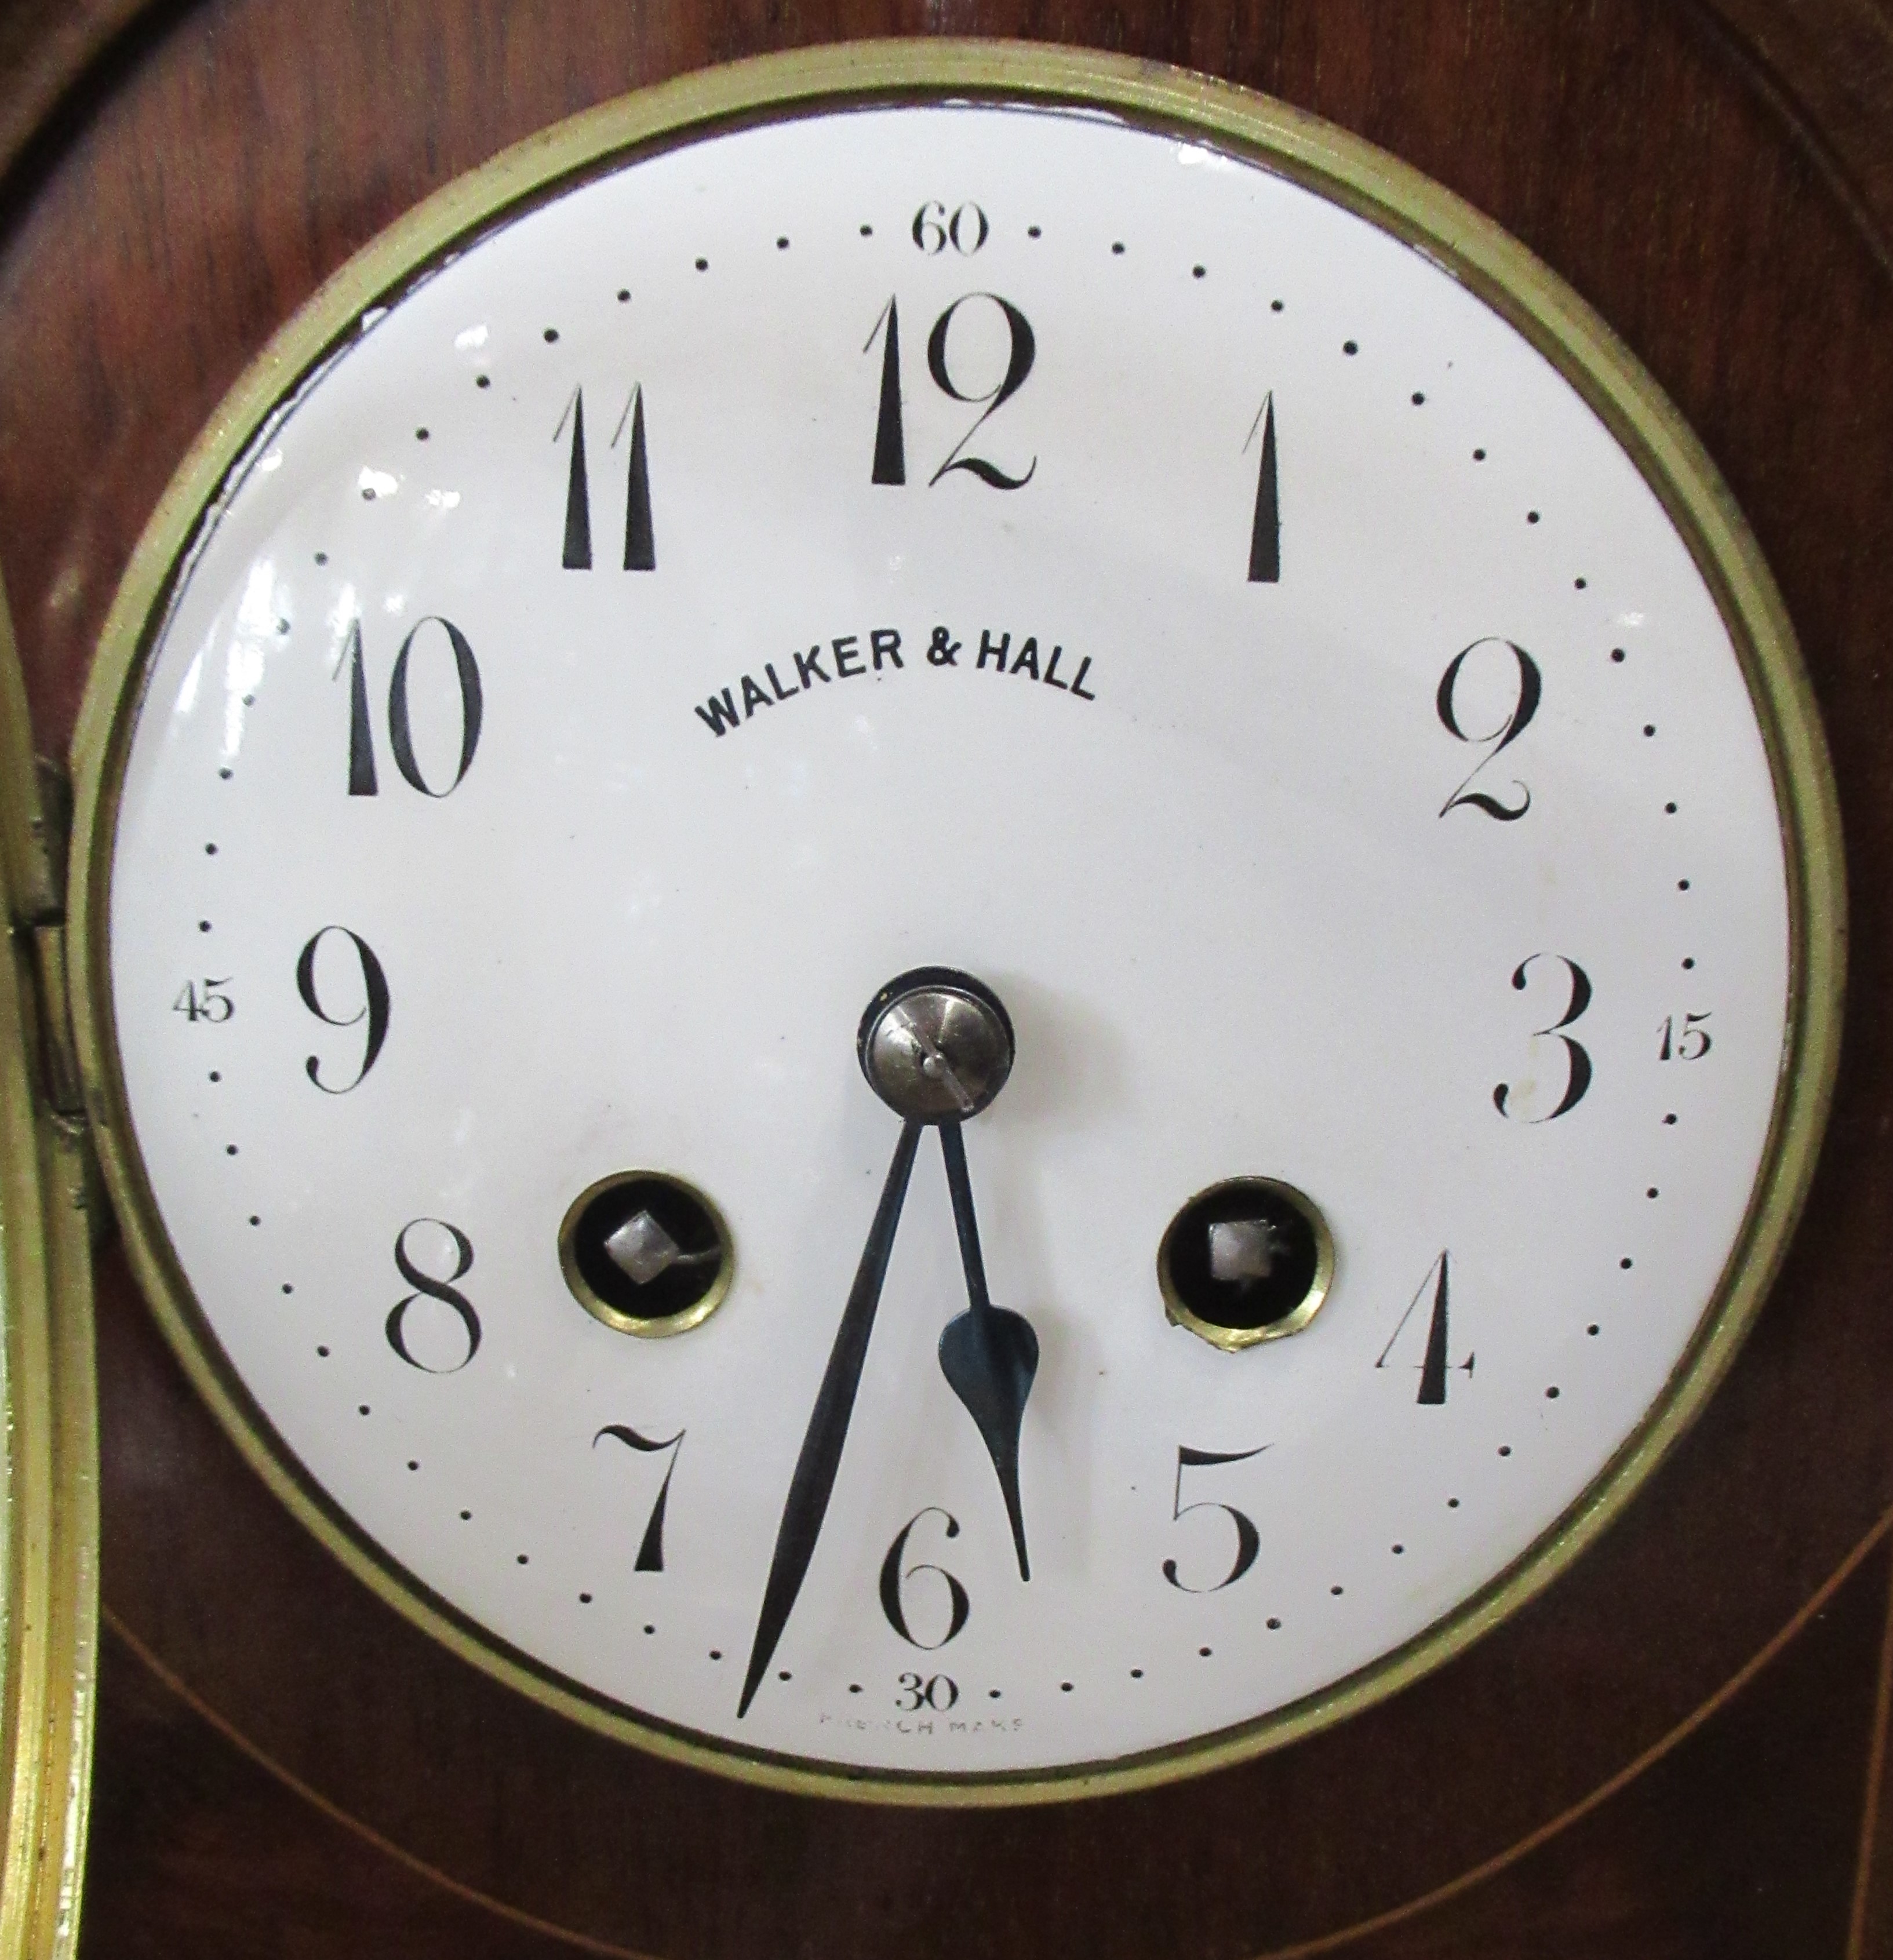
(658, 1327)
(1336, 165)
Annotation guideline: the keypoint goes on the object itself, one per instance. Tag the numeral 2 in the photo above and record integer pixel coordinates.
(1527, 687)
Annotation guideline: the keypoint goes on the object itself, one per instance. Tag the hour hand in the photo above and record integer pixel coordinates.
(989, 1355)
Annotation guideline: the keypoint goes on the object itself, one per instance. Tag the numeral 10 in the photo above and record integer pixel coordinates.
(363, 779)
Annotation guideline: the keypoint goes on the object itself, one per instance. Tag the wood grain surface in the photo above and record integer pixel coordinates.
(1679, 1750)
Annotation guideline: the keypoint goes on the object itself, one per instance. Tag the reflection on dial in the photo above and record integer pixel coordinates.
(975, 534)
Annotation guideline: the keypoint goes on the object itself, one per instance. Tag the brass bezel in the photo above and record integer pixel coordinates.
(1350, 172)
(1236, 1340)
(659, 1327)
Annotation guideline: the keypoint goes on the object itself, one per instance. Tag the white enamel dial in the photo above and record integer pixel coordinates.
(999, 537)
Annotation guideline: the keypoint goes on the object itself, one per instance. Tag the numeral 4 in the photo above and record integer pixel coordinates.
(1432, 1363)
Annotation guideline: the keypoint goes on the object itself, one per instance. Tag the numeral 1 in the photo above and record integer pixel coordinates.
(640, 548)
(1265, 534)
(890, 433)
(577, 554)
(361, 780)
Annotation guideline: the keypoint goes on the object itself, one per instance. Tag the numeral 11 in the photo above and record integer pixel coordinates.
(641, 551)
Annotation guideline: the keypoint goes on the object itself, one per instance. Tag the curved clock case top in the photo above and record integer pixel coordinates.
(963, 942)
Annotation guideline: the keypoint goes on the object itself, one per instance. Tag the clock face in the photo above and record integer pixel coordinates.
(1058, 627)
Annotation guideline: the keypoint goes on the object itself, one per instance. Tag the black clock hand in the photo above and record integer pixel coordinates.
(815, 1468)
(988, 1354)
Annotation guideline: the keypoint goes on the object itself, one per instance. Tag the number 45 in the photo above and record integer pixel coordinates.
(209, 1005)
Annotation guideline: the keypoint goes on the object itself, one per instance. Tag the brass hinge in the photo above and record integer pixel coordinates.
(39, 927)
(35, 824)
(60, 1080)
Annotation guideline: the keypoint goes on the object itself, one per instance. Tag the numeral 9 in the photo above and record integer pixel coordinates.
(373, 1009)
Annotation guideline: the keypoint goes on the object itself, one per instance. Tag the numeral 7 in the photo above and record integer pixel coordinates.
(650, 1553)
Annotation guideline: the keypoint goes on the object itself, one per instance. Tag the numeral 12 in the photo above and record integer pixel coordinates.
(890, 435)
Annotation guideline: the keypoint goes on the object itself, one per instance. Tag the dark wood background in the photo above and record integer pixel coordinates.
(1679, 1751)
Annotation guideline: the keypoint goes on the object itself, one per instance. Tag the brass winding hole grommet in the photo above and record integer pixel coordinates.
(646, 1253)
(1250, 1259)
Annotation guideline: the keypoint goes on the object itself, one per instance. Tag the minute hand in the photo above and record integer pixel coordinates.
(815, 1468)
